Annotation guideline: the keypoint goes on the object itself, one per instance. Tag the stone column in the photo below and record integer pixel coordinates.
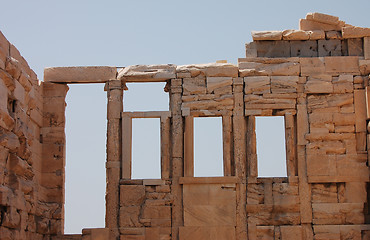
(177, 167)
(239, 131)
(113, 164)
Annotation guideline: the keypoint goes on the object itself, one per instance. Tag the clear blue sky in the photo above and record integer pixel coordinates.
(122, 33)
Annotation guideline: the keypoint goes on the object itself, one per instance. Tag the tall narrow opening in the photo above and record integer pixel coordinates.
(271, 153)
(146, 152)
(208, 148)
(86, 154)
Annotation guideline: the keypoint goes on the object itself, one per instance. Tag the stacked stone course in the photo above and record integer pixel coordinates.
(316, 77)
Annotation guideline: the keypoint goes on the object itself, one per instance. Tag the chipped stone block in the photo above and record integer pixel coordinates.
(218, 82)
(355, 32)
(267, 35)
(257, 85)
(269, 66)
(210, 70)
(194, 86)
(284, 84)
(312, 66)
(296, 35)
(273, 49)
(329, 48)
(303, 49)
(333, 35)
(324, 18)
(307, 25)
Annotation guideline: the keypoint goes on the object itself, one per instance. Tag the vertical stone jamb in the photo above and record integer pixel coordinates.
(239, 131)
(189, 147)
(54, 146)
(177, 159)
(113, 164)
(304, 186)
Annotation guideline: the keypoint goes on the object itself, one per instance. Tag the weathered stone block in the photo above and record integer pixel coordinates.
(284, 84)
(273, 49)
(267, 35)
(303, 49)
(355, 32)
(296, 35)
(257, 85)
(132, 195)
(355, 47)
(79, 74)
(329, 48)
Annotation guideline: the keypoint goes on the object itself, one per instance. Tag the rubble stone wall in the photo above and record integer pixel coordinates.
(31, 183)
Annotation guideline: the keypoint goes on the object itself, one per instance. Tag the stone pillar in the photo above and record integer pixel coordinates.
(239, 129)
(113, 164)
(177, 167)
(53, 149)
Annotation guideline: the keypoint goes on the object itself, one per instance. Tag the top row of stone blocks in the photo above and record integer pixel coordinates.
(314, 27)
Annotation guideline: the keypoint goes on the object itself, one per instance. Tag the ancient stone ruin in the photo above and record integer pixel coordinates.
(317, 78)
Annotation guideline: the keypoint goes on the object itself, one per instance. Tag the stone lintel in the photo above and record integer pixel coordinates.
(90, 74)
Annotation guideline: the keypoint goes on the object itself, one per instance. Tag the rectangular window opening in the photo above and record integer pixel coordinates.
(146, 148)
(208, 147)
(271, 151)
(146, 96)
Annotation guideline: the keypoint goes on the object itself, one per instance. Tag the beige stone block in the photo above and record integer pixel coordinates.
(210, 70)
(257, 85)
(355, 192)
(273, 49)
(324, 193)
(329, 48)
(318, 87)
(284, 84)
(317, 34)
(342, 64)
(360, 110)
(79, 74)
(312, 66)
(296, 35)
(320, 165)
(333, 35)
(214, 83)
(364, 66)
(291, 232)
(355, 47)
(303, 48)
(147, 73)
(156, 212)
(194, 86)
(307, 25)
(275, 68)
(132, 237)
(129, 216)
(267, 35)
(337, 213)
(132, 195)
(207, 233)
(324, 18)
(367, 48)
(355, 32)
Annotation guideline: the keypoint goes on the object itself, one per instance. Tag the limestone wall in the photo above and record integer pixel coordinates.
(316, 78)
(31, 151)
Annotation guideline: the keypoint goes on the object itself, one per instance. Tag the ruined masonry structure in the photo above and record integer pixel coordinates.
(317, 78)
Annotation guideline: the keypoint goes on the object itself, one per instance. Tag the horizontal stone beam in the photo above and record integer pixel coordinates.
(79, 74)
